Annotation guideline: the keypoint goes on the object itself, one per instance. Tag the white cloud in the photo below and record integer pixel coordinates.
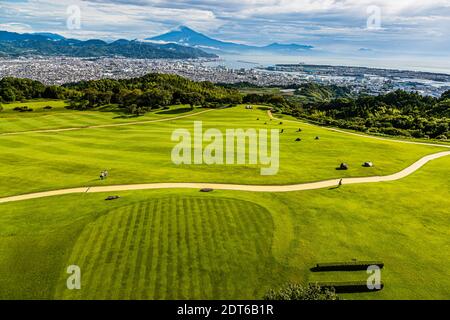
(16, 27)
(319, 22)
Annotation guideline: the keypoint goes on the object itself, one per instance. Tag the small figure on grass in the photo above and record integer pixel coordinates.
(104, 174)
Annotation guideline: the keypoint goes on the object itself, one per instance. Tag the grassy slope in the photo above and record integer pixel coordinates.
(141, 153)
(59, 117)
(404, 223)
(175, 248)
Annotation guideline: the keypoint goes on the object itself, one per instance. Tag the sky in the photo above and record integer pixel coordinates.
(391, 30)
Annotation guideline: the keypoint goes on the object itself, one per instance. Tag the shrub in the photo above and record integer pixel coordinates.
(348, 287)
(23, 109)
(295, 291)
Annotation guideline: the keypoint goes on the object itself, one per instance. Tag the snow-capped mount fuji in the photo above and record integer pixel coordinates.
(189, 37)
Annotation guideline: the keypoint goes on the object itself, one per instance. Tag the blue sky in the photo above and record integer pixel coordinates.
(408, 28)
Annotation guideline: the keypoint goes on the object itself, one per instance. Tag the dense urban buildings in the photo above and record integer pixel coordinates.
(59, 70)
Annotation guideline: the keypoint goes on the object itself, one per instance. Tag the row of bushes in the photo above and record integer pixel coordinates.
(27, 109)
(348, 287)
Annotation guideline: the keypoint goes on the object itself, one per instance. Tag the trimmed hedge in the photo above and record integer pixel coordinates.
(348, 287)
(346, 266)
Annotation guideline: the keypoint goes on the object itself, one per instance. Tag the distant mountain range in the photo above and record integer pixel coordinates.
(182, 43)
(188, 37)
(49, 44)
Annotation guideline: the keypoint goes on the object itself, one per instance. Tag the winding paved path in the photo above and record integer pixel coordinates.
(236, 187)
(253, 188)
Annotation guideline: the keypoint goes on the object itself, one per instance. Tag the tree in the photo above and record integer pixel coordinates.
(191, 98)
(154, 98)
(136, 110)
(252, 98)
(295, 291)
(8, 95)
(52, 92)
(445, 95)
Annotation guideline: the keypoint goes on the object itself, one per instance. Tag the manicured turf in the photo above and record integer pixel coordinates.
(186, 244)
(142, 153)
(174, 248)
(402, 223)
(59, 117)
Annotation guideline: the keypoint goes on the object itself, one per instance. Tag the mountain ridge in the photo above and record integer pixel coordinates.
(49, 44)
(184, 35)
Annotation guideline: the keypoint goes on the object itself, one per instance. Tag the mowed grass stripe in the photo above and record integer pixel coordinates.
(220, 283)
(180, 250)
(222, 244)
(210, 241)
(227, 220)
(172, 248)
(161, 257)
(196, 221)
(113, 254)
(101, 256)
(185, 254)
(195, 244)
(121, 251)
(154, 257)
(235, 213)
(136, 258)
(127, 261)
(139, 272)
(145, 245)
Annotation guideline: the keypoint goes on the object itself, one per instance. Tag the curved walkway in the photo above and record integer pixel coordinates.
(253, 188)
(105, 125)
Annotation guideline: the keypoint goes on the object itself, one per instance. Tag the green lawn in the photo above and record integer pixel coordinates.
(34, 162)
(184, 244)
(174, 248)
(59, 117)
(237, 244)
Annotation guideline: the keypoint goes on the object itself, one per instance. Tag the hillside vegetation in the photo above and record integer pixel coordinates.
(136, 96)
(397, 113)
